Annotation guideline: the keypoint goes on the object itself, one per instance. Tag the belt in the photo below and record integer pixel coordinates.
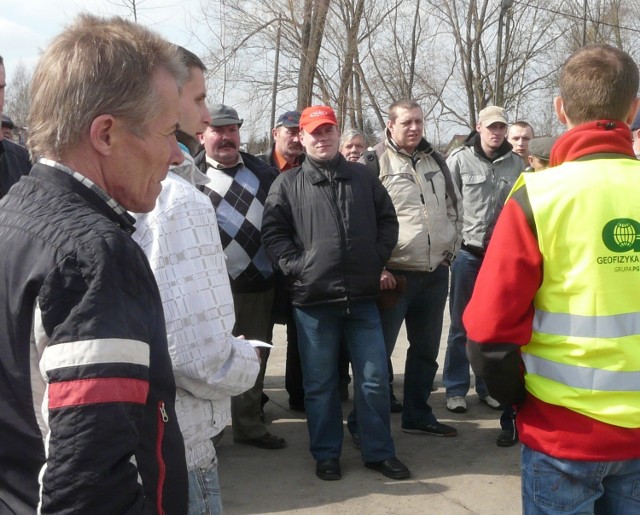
(473, 250)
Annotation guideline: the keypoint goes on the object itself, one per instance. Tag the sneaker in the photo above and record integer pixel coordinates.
(491, 402)
(507, 438)
(457, 404)
(435, 429)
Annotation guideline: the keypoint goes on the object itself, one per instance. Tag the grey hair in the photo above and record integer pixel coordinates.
(94, 67)
(350, 134)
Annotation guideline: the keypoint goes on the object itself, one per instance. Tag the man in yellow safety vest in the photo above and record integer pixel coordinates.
(554, 321)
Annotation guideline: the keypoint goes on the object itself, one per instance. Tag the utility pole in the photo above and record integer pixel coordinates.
(497, 91)
(274, 86)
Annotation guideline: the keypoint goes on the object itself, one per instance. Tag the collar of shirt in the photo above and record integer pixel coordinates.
(189, 171)
(212, 162)
(282, 164)
(111, 202)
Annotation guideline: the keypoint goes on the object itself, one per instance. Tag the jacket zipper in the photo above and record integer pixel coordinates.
(342, 231)
(163, 418)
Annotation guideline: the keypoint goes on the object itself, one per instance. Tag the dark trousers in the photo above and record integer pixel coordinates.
(253, 321)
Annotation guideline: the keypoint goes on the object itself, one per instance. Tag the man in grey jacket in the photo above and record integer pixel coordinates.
(483, 169)
(417, 274)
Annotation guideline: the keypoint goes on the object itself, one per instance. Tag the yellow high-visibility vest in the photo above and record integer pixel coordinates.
(584, 353)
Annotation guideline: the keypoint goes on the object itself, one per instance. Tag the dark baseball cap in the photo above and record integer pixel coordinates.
(224, 115)
(288, 119)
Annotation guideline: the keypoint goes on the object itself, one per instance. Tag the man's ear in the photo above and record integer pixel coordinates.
(558, 105)
(102, 133)
(633, 110)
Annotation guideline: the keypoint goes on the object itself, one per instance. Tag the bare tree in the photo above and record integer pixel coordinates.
(17, 95)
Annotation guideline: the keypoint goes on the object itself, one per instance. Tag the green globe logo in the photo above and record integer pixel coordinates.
(621, 235)
(624, 234)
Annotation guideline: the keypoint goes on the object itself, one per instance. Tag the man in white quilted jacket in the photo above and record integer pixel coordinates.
(180, 237)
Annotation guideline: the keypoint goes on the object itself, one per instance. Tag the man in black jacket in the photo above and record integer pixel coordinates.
(330, 226)
(87, 392)
(14, 159)
(238, 188)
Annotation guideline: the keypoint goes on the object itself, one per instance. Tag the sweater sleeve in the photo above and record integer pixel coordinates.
(499, 316)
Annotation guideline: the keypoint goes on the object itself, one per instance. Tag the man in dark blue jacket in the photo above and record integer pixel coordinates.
(330, 226)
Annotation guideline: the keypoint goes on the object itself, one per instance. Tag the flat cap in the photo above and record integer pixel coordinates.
(541, 147)
(224, 115)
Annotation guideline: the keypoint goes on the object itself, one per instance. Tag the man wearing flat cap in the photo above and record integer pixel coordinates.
(540, 152)
(330, 226)
(238, 189)
(484, 169)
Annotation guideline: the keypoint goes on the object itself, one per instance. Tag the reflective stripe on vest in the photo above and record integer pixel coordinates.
(612, 326)
(584, 352)
(582, 377)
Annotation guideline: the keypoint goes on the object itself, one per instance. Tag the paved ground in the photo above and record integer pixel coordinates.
(465, 475)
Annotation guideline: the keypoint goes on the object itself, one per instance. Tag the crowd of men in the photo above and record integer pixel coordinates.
(146, 259)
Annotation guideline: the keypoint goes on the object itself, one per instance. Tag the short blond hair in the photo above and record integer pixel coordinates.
(96, 66)
(598, 82)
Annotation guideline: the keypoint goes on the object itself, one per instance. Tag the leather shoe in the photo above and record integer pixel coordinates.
(296, 406)
(395, 405)
(328, 470)
(392, 468)
(507, 438)
(266, 441)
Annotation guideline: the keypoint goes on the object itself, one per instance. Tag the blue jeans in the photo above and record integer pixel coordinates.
(320, 332)
(552, 486)
(456, 375)
(421, 307)
(204, 491)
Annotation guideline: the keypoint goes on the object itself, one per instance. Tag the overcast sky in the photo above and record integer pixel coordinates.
(27, 26)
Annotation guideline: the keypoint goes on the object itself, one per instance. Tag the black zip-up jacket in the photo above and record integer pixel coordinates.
(14, 163)
(82, 339)
(330, 227)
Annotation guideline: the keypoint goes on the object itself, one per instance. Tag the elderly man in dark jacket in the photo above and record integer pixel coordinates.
(330, 226)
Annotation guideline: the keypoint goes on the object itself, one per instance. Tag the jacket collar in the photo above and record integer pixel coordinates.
(322, 170)
(473, 141)
(599, 137)
(95, 196)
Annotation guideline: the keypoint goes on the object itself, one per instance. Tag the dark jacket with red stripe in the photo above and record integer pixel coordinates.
(82, 340)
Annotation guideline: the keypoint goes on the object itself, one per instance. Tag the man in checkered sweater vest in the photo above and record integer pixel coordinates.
(238, 189)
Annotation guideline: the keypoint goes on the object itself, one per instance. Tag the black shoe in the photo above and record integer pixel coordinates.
(328, 470)
(507, 438)
(266, 441)
(396, 407)
(392, 468)
(355, 440)
(435, 429)
(343, 388)
(296, 406)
